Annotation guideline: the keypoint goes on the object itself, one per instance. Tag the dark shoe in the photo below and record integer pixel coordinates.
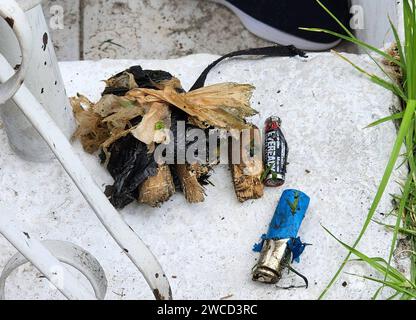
(279, 20)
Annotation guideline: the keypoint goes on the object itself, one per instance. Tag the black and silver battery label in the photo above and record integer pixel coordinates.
(276, 151)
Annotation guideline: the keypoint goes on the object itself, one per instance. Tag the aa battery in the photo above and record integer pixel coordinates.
(275, 153)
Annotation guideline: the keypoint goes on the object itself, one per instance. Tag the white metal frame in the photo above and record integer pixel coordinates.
(123, 234)
(42, 259)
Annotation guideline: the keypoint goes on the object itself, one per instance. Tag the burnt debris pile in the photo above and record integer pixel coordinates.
(142, 110)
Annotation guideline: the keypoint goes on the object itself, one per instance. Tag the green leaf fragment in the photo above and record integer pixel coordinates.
(160, 125)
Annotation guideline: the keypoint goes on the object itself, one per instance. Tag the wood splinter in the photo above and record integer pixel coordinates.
(157, 189)
(247, 174)
(192, 189)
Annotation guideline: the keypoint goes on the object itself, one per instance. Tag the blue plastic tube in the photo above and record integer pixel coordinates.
(287, 220)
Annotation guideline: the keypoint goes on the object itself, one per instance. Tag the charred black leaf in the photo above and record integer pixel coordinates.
(130, 165)
(143, 78)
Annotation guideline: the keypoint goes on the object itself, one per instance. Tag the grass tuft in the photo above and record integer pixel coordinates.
(405, 89)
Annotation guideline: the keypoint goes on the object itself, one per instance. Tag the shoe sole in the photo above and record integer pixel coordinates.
(266, 32)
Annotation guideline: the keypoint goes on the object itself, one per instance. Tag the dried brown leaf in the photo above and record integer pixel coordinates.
(91, 131)
(154, 125)
(124, 80)
(222, 105)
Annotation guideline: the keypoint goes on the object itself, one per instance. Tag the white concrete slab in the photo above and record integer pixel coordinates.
(161, 29)
(205, 249)
(64, 19)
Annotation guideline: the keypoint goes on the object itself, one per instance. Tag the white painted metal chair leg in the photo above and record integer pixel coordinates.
(41, 76)
(43, 260)
(127, 239)
(67, 253)
(12, 13)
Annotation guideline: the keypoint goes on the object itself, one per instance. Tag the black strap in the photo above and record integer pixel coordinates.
(273, 51)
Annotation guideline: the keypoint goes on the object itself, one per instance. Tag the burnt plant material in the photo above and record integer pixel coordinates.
(202, 172)
(154, 125)
(133, 122)
(157, 189)
(180, 143)
(130, 165)
(392, 68)
(91, 131)
(135, 77)
(246, 187)
(138, 105)
(224, 105)
(190, 186)
(127, 159)
(247, 174)
(133, 116)
(100, 124)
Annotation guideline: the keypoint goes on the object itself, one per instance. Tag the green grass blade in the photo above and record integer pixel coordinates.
(393, 285)
(401, 230)
(410, 47)
(358, 43)
(389, 86)
(400, 215)
(375, 295)
(373, 262)
(347, 31)
(398, 286)
(352, 38)
(396, 83)
(404, 127)
(377, 80)
(399, 45)
(393, 117)
(393, 296)
(380, 265)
